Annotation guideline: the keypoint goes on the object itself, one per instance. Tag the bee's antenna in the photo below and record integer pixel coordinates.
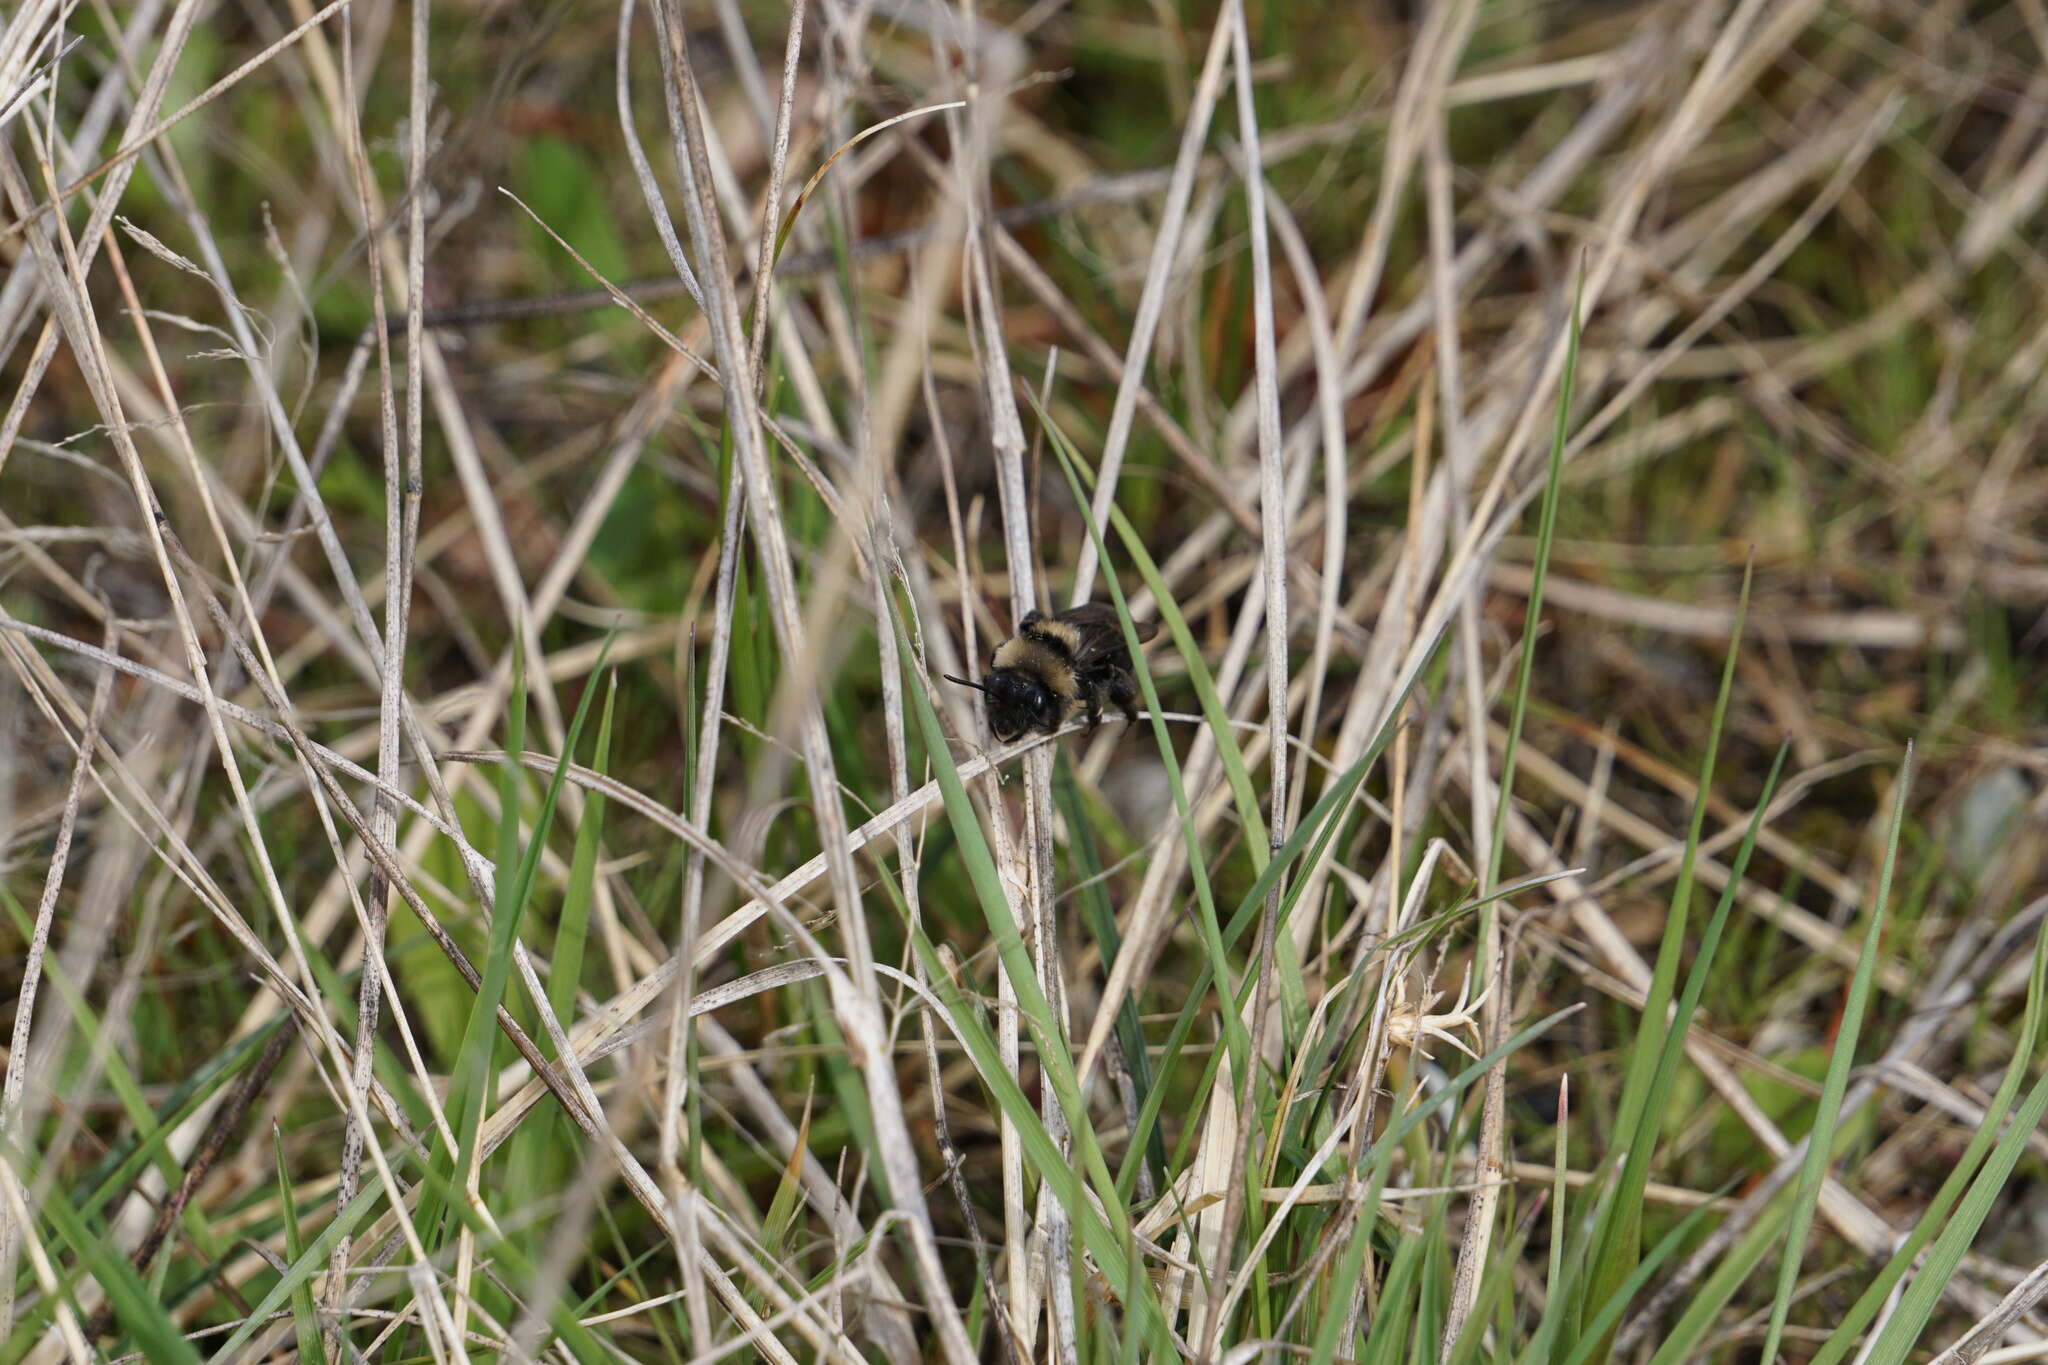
(963, 682)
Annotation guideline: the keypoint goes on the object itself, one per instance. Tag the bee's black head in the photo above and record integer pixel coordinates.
(1017, 704)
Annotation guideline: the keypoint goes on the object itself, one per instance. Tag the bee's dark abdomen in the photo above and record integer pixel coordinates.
(1056, 635)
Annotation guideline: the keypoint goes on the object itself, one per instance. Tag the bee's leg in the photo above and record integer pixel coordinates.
(1094, 700)
(1123, 690)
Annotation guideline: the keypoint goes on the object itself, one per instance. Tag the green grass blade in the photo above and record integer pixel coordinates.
(1916, 1306)
(1235, 1035)
(472, 1081)
(1557, 1290)
(312, 1263)
(1100, 918)
(1608, 1317)
(154, 1126)
(304, 1323)
(1393, 1329)
(1532, 619)
(1633, 1179)
(139, 1311)
(1617, 1236)
(1682, 1342)
(1311, 837)
(1863, 1312)
(572, 932)
(789, 1190)
(1820, 1143)
(1377, 1162)
(1349, 1269)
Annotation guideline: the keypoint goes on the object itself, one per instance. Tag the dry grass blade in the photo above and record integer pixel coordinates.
(13, 1122)
(1166, 251)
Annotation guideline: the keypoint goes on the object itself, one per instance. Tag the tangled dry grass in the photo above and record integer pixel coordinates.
(1575, 891)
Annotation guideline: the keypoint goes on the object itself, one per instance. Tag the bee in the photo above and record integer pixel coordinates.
(1054, 664)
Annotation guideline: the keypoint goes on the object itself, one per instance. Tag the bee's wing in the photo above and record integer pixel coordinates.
(1101, 633)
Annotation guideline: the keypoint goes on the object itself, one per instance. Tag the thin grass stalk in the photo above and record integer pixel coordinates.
(1495, 968)
(710, 727)
(377, 908)
(2017, 1303)
(398, 568)
(1033, 867)
(1335, 501)
(1166, 250)
(858, 1009)
(703, 787)
(874, 522)
(778, 160)
(677, 1092)
(1272, 469)
(18, 1214)
(12, 1129)
(1273, 557)
(1460, 465)
(643, 171)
